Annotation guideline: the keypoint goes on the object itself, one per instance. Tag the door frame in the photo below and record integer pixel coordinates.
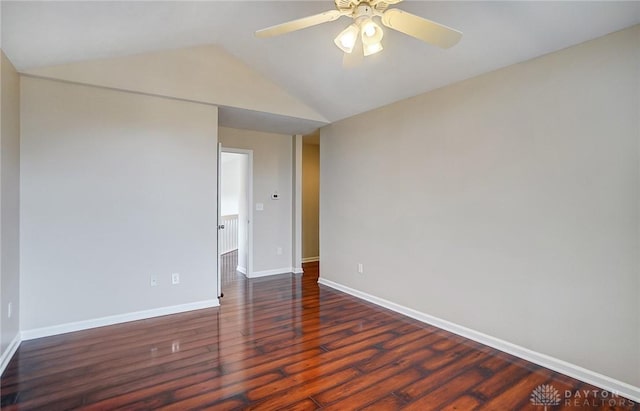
(249, 170)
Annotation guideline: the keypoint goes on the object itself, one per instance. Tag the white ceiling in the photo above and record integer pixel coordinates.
(307, 64)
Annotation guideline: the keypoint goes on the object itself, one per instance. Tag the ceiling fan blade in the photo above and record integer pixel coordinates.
(420, 28)
(299, 24)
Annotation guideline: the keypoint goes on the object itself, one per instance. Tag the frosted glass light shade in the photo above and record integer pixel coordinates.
(346, 40)
(374, 48)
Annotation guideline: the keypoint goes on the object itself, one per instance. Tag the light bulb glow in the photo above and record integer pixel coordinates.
(347, 38)
(369, 29)
(371, 32)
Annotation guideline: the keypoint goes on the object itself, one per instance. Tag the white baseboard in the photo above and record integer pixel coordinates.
(297, 270)
(310, 259)
(242, 269)
(591, 377)
(9, 352)
(115, 319)
(275, 271)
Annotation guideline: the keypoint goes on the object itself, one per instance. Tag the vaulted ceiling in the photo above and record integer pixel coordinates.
(306, 64)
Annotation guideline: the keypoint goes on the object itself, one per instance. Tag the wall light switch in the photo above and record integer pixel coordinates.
(259, 206)
(175, 278)
(154, 280)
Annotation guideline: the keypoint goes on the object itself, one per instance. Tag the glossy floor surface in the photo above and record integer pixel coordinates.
(282, 343)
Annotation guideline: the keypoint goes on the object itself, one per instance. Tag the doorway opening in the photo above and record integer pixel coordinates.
(311, 201)
(235, 236)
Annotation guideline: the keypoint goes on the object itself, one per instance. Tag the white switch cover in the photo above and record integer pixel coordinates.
(259, 206)
(360, 268)
(175, 278)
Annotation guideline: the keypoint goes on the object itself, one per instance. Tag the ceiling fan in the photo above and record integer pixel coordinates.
(362, 12)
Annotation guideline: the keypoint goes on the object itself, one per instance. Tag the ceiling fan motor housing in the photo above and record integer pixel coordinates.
(363, 10)
(375, 7)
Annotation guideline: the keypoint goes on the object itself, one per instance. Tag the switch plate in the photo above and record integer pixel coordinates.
(259, 206)
(9, 310)
(175, 278)
(279, 250)
(154, 280)
(360, 268)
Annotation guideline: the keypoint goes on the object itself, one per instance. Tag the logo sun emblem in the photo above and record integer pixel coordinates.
(545, 395)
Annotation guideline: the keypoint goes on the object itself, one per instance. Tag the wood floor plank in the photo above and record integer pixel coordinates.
(192, 374)
(278, 343)
(375, 391)
(304, 405)
(443, 375)
(213, 391)
(321, 370)
(463, 403)
(357, 385)
(328, 357)
(388, 403)
(279, 399)
(447, 392)
(516, 393)
(500, 381)
(397, 354)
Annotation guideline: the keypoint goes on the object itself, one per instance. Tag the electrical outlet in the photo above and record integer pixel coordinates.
(9, 310)
(360, 268)
(175, 278)
(279, 250)
(154, 280)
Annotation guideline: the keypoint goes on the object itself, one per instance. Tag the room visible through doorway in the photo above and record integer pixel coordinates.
(234, 239)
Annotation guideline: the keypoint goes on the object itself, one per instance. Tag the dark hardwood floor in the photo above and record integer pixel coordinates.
(280, 343)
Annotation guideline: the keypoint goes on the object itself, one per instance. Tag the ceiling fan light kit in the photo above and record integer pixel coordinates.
(362, 12)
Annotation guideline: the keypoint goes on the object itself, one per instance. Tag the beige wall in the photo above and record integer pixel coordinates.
(507, 203)
(310, 200)
(9, 203)
(231, 176)
(206, 74)
(115, 187)
(272, 171)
